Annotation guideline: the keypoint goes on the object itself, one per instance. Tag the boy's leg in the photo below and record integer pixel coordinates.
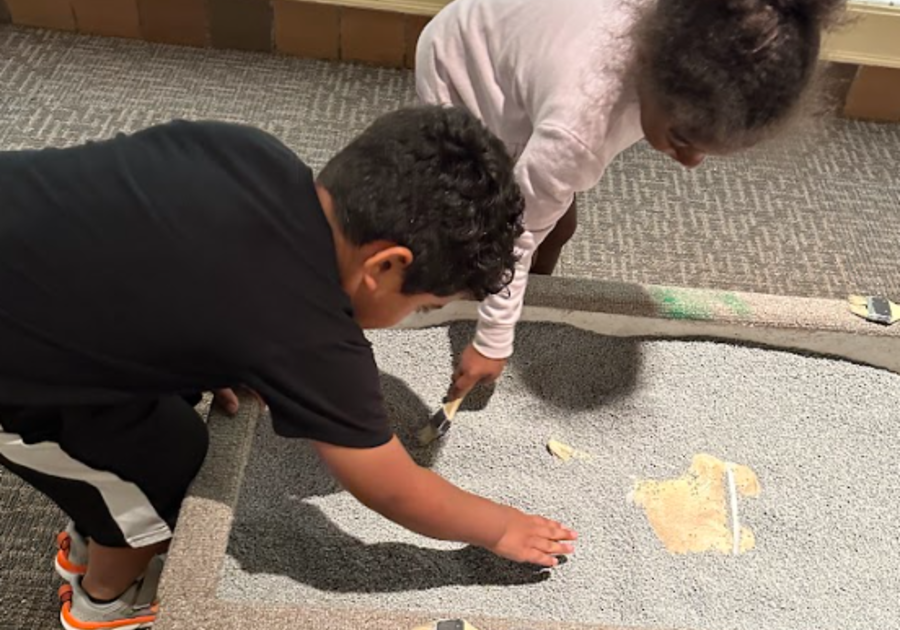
(72, 556)
(119, 472)
(112, 570)
(547, 255)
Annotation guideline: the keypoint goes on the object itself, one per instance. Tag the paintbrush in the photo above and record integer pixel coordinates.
(449, 624)
(875, 309)
(439, 423)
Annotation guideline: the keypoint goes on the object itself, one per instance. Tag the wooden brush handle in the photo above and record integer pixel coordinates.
(452, 407)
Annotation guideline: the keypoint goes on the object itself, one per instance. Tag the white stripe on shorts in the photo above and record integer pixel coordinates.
(129, 507)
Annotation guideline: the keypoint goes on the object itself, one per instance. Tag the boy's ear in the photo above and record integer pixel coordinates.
(384, 270)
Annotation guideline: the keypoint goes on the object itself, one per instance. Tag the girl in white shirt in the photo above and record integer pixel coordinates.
(569, 84)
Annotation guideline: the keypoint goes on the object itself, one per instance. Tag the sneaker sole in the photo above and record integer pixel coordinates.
(102, 626)
(70, 623)
(65, 568)
(124, 625)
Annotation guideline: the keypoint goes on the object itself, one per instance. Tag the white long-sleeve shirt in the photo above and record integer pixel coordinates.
(551, 79)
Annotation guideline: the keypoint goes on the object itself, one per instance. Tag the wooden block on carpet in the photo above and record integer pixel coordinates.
(4, 13)
(112, 18)
(375, 37)
(415, 24)
(180, 22)
(55, 14)
(241, 24)
(875, 95)
(307, 29)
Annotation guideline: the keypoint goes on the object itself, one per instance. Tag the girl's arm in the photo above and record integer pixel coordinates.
(553, 167)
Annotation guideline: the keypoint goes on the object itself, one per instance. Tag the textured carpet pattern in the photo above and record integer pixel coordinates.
(28, 527)
(821, 435)
(814, 216)
(806, 220)
(817, 217)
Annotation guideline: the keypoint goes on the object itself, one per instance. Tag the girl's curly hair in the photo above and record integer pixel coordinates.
(732, 71)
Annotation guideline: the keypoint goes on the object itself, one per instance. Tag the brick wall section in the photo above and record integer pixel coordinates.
(306, 29)
(182, 22)
(112, 18)
(414, 26)
(56, 14)
(241, 24)
(875, 95)
(373, 37)
(302, 29)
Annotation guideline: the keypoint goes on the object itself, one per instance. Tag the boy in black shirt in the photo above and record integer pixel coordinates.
(137, 272)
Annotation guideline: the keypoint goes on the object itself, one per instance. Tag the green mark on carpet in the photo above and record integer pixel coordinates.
(680, 304)
(736, 304)
(687, 304)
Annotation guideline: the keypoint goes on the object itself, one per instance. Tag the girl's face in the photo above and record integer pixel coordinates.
(664, 136)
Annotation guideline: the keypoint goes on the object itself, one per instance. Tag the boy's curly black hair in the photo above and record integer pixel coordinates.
(435, 180)
(731, 71)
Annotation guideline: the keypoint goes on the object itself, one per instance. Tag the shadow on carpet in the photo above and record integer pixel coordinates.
(817, 548)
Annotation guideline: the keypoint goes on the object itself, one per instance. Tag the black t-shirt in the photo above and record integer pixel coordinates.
(183, 257)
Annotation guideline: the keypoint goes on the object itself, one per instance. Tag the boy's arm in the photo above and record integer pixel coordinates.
(388, 481)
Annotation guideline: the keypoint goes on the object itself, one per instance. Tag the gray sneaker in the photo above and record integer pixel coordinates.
(72, 555)
(134, 610)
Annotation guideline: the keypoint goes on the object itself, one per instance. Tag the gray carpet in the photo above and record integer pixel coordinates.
(815, 217)
(821, 435)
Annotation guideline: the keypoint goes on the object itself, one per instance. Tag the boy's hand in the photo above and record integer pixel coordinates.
(534, 539)
(388, 481)
(474, 368)
(228, 401)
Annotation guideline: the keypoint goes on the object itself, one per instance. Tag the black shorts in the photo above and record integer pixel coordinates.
(119, 472)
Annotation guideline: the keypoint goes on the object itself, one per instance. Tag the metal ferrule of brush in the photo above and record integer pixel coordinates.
(439, 424)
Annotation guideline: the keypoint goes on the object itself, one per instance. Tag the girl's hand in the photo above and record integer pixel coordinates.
(474, 368)
(534, 539)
